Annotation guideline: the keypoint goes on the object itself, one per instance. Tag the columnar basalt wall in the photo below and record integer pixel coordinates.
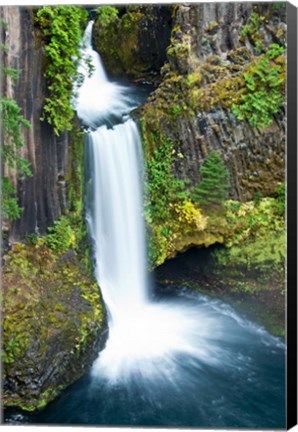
(43, 195)
(255, 157)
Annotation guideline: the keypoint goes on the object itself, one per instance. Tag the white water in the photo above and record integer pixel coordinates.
(145, 338)
(98, 99)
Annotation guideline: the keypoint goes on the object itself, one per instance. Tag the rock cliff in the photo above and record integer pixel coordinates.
(213, 46)
(43, 196)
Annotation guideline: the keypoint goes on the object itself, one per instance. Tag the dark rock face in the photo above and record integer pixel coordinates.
(135, 42)
(154, 35)
(208, 45)
(42, 196)
(255, 159)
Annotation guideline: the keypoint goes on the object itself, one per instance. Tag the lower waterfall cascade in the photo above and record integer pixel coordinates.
(174, 359)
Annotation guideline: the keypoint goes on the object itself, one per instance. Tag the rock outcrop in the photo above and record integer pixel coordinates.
(134, 41)
(54, 323)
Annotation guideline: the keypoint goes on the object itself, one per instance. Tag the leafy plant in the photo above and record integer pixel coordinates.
(12, 124)
(12, 72)
(62, 31)
(61, 236)
(106, 15)
(280, 200)
(10, 207)
(162, 187)
(264, 90)
(212, 190)
(252, 28)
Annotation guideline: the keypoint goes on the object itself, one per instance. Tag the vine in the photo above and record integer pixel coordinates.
(12, 124)
(62, 32)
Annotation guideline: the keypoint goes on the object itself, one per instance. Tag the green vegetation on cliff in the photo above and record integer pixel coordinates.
(265, 87)
(116, 39)
(12, 123)
(53, 314)
(169, 213)
(132, 39)
(213, 189)
(62, 29)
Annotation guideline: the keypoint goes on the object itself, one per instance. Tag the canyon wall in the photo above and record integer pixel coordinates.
(43, 196)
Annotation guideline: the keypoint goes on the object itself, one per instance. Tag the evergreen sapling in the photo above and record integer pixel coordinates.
(213, 189)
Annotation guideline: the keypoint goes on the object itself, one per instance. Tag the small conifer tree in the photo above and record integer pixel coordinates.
(213, 189)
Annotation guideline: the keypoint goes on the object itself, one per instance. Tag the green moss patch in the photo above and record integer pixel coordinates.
(53, 319)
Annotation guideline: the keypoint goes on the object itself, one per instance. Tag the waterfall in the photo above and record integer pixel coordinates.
(114, 218)
(141, 332)
(116, 223)
(147, 339)
(179, 359)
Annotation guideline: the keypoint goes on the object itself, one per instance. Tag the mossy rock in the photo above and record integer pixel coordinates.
(256, 292)
(134, 40)
(54, 323)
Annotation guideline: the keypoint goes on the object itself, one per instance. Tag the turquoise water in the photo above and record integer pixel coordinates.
(244, 389)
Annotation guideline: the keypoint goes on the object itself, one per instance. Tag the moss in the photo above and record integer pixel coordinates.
(119, 41)
(53, 315)
(118, 44)
(254, 233)
(75, 176)
(59, 293)
(262, 253)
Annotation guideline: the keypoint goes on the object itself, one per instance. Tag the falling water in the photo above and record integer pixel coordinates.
(142, 333)
(183, 361)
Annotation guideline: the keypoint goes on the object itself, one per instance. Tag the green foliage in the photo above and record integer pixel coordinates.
(116, 38)
(212, 190)
(12, 350)
(13, 73)
(106, 15)
(62, 31)
(280, 200)
(61, 236)
(252, 28)
(12, 124)
(162, 187)
(264, 90)
(252, 219)
(279, 5)
(262, 253)
(10, 208)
